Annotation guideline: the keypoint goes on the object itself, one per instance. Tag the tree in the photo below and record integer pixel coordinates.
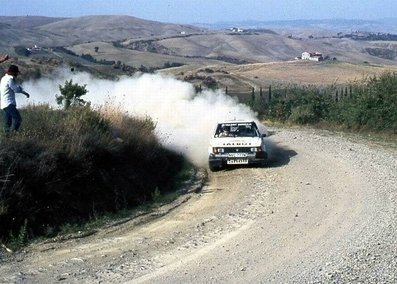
(96, 49)
(71, 94)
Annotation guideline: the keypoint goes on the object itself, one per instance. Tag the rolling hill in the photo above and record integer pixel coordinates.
(138, 43)
(17, 31)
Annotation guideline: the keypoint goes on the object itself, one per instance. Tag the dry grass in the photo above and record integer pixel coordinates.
(305, 73)
(134, 58)
(69, 166)
(242, 78)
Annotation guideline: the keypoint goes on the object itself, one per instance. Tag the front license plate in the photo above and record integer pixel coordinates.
(238, 155)
(237, 162)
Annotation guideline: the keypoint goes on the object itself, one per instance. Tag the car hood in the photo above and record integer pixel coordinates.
(236, 142)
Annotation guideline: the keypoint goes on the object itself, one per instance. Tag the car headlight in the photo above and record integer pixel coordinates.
(217, 150)
(256, 149)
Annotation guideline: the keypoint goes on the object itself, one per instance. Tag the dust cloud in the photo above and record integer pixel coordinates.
(185, 120)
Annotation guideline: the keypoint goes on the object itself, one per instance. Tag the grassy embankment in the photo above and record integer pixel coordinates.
(367, 106)
(71, 166)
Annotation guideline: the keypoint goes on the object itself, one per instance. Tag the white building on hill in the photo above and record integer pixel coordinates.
(314, 56)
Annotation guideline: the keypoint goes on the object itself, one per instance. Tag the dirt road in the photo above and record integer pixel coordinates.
(323, 211)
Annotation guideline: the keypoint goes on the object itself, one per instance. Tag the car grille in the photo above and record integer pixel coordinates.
(237, 149)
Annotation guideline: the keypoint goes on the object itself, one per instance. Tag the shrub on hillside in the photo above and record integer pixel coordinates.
(368, 105)
(70, 166)
(300, 105)
(372, 106)
(71, 94)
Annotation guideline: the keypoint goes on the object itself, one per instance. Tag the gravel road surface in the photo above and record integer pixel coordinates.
(323, 211)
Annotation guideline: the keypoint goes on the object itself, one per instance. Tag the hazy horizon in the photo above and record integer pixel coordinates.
(207, 11)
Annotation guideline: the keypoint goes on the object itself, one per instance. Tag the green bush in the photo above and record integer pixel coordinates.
(303, 115)
(71, 95)
(299, 104)
(368, 105)
(65, 167)
(372, 105)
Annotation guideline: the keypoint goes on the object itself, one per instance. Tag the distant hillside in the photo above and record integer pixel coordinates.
(267, 47)
(98, 42)
(340, 25)
(19, 31)
(110, 28)
(12, 36)
(28, 22)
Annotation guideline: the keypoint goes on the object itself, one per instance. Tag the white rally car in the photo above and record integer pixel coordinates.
(236, 143)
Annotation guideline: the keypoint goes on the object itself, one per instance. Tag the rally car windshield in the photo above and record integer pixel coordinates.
(236, 130)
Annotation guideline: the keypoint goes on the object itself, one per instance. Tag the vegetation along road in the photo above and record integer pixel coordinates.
(323, 211)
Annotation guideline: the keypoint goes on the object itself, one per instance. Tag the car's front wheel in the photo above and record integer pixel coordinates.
(214, 166)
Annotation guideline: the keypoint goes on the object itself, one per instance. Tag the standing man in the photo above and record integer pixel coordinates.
(8, 88)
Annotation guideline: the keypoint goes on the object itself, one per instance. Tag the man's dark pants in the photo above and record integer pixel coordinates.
(12, 118)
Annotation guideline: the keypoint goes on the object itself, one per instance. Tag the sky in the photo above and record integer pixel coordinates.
(206, 11)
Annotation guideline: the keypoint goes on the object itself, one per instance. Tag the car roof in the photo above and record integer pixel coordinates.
(235, 121)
